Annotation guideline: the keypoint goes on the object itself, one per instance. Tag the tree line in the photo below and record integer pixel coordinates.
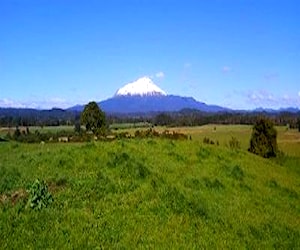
(13, 117)
(197, 118)
(186, 117)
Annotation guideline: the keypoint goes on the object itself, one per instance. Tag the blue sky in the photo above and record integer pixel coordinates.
(234, 53)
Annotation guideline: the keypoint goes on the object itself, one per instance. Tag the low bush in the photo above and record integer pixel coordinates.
(39, 196)
(173, 135)
(150, 133)
(234, 143)
(146, 133)
(206, 140)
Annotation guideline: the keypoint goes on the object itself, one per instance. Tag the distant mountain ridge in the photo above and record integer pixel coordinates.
(155, 103)
(143, 96)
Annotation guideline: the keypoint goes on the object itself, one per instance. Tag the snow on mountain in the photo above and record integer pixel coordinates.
(142, 87)
(143, 96)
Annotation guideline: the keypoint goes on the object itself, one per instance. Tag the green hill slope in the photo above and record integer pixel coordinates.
(148, 193)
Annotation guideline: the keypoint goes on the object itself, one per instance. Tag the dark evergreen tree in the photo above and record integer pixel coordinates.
(263, 141)
(93, 118)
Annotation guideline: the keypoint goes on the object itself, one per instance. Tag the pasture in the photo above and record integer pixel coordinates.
(153, 193)
(288, 139)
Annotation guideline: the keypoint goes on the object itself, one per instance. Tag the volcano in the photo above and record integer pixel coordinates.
(144, 96)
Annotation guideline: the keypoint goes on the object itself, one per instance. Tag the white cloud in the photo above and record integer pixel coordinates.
(160, 74)
(299, 93)
(46, 103)
(263, 98)
(7, 103)
(226, 69)
(286, 97)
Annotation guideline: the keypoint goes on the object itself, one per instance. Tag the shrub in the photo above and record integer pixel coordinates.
(122, 135)
(263, 140)
(206, 140)
(234, 143)
(151, 133)
(173, 135)
(39, 196)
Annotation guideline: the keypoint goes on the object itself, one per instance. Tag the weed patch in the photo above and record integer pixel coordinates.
(237, 173)
(215, 184)
(206, 140)
(234, 143)
(39, 196)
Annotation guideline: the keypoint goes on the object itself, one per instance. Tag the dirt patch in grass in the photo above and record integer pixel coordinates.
(14, 197)
(57, 185)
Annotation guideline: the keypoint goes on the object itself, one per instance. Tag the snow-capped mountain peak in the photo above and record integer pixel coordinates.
(143, 87)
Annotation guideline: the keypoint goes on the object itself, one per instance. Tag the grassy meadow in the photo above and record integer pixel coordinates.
(153, 193)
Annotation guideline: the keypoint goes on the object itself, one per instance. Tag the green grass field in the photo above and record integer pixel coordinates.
(288, 139)
(153, 193)
(46, 129)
